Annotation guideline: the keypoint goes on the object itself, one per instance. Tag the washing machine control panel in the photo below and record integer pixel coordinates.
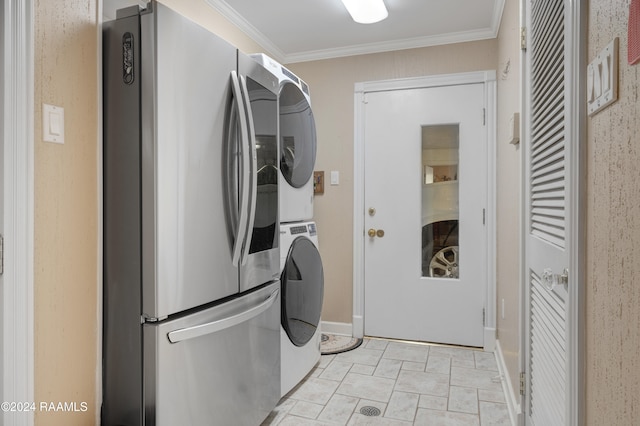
(296, 230)
(309, 228)
(312, 229)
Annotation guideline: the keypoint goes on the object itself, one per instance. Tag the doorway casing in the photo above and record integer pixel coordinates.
(17, 290)
(361, 89)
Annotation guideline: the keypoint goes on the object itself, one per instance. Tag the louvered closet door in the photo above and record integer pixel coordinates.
(547, 168)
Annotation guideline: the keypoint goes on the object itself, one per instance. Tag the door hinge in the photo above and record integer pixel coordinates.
(1, 254)
(523, 38)
(484, 317)
(484, 216)
(484, 116)
(523, 382)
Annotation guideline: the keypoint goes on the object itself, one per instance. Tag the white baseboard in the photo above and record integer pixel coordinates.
(341, 328)
(489, 339)
(358, 326)
(512, 399)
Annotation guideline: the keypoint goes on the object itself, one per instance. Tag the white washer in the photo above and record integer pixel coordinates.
(302, 290)
(297, 141)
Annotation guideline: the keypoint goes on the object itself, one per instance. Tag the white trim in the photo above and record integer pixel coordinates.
(490, 302)
(17, 297)
(489, 339)
(391, 45)
(99, 263)
(510, 395)
(385, 46)
(576, 60)
(341, 328)
(523, 322)
(578, 163)
(489, 79)
(246, 27)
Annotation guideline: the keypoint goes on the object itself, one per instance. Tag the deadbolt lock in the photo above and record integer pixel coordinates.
(372, 211)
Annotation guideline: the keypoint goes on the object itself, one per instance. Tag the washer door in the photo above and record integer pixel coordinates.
(302, 291)
(298, 136)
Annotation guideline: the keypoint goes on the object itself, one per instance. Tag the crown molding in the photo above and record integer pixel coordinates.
(361, 49)
(245, 26)
(388, 46)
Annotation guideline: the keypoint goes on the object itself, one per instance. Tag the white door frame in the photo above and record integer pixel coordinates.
(489, 80)
(17, 291)
(576, 119)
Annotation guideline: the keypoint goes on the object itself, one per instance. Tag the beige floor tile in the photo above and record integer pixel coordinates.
(423, 383)
(410, 384)
(406, 352)
(339, 409)
(472, 378)
(369, 387)
(433, 402)
(315, 390)
(494, 414)
(463, 400)
(402, 406)
(426, 417)
(388, 368)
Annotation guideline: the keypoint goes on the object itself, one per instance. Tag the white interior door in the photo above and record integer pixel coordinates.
(554, 125)
(425, 198)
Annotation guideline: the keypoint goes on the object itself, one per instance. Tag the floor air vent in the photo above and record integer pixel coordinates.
(370, 411)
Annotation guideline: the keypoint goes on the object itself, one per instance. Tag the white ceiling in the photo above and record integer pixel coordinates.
(303, 30)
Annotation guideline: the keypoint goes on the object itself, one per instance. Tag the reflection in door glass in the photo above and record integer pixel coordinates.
(440, 246)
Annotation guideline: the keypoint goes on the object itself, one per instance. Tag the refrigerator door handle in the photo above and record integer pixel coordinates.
(253, 188)
(241, 232)
(219, 325)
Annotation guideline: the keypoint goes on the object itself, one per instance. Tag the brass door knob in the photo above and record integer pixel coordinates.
(373, 233)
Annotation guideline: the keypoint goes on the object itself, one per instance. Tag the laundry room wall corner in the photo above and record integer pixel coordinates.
(508, 193)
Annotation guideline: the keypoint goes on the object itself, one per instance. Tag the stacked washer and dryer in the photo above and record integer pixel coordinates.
(302, 279)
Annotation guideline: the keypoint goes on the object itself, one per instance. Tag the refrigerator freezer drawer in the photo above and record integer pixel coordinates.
(219, 366)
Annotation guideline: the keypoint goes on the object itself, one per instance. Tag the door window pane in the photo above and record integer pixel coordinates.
(440, 157)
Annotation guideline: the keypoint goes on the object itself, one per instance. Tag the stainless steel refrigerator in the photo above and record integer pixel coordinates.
(191, 254)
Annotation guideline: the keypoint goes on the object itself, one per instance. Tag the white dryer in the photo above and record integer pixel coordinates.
(297, 143)
(302, 291)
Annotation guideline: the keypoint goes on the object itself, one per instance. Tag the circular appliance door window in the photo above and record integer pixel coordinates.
(298, 136)
(302, 291)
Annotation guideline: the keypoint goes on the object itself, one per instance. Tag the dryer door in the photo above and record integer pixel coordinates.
(298, 136)
(302, 291)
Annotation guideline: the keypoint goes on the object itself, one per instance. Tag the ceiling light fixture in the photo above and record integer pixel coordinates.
(366, 11)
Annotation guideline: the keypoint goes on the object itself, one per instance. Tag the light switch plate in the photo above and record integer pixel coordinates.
(52, 123)
(335, 177)
(602, 79)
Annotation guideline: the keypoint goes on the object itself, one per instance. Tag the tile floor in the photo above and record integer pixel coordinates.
(411, 384)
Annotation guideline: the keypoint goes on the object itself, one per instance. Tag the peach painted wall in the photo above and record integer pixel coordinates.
(66, 212)
(613, 235)
(508, 189)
